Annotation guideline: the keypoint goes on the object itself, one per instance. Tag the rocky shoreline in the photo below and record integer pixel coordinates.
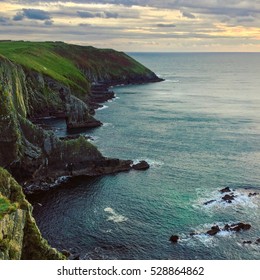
(32, 154)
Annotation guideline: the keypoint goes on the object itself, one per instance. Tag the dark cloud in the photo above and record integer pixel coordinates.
(165, 25)
(32, 14)
(48, 22)
(3, 19)
(18, 16)
(87, 14)
(188, 15)
(36, 14)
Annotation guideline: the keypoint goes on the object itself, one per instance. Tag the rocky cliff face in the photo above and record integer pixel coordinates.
(50, 79)
(20, 237)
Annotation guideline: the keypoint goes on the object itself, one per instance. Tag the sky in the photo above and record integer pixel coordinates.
(137, 25)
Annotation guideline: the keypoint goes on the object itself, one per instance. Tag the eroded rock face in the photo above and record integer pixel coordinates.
(20, 238)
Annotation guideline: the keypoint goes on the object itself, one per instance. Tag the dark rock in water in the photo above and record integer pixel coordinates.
(209, 202)
(258, 241)
(228, 198)
(214, 230)
(142, 165)
(193, 233)
(239, 226)
(253, 194)
(174, 238)
(247, 242)
(227, 189)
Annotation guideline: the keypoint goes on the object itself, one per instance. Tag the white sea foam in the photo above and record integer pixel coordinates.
(107, 124)
(114, 216)
(102, 108)
(214, 199)
(93, 138)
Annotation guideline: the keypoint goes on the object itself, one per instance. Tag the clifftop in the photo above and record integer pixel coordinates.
(77, 66)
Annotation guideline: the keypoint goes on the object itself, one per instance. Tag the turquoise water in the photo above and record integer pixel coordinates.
(200, 131)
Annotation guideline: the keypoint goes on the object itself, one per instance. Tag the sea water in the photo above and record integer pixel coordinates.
(200, 132)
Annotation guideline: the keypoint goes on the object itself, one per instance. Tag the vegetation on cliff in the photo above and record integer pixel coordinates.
(20, 237)
(50, 79)
(75, 66)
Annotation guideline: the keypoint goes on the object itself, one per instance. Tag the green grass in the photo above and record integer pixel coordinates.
(64, 62)
(42, 58)
(6, 206)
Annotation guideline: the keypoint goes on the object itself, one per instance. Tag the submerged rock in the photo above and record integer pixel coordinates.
(209, 202)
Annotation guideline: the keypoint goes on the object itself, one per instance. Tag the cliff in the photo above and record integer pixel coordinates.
(51, 79)
(20, 237)
(57, 77)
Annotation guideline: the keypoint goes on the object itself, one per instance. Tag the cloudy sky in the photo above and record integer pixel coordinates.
(136, 25)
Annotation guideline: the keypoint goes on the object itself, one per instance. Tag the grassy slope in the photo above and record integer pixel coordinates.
(42, 58)
(63, 62)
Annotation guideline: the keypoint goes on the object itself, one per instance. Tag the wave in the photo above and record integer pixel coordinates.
(102, 108)
(93, 138)
(107, 124)
(114, 216)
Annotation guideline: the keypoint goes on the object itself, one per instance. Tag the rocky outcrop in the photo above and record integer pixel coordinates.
(20, 238)
(141, 165)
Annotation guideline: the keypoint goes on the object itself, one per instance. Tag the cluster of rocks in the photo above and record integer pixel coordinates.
(233, 227)
(228, 197)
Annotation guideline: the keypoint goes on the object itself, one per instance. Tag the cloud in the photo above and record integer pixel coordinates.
(48, 22)
(19, 16)
(3, 19)
(165, 25)
(32, 14)
(87, 14)
(188, 15)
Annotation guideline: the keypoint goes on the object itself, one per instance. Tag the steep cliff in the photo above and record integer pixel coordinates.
(50, 79)
(58, 76)
(20, 237)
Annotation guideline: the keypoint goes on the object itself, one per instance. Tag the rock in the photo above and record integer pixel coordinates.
(228, 198)
(73, 137)
(227, 189)
(142, 165)
(239, 226)
(214, 230)
(174, 238)
(258, 241)
(247, 242)
(65, 253)
(253, 194)
(209, 202)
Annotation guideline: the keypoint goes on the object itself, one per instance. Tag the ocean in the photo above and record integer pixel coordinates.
(200, 132)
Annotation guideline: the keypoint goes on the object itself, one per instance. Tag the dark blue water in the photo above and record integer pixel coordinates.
(200, 131)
